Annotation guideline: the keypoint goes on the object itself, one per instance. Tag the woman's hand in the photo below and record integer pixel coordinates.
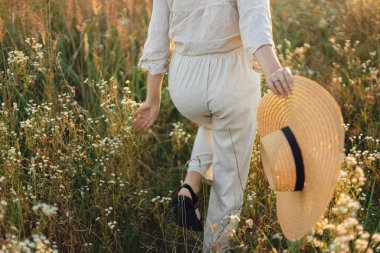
(280, 82)
(146, 115)
(278, 79)
(148, 111)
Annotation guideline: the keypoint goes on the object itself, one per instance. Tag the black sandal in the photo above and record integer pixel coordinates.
(184, 209)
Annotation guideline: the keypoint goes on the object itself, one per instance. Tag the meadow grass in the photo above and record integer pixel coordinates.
(75, 177)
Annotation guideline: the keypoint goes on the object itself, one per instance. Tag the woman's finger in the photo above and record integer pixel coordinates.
(136, 114)
(136, 120)
(287, 82)
(136, 124)
(280, 88)
(271, 84)
(288, 76)
(284, 86)
(145, 125)
(140, 123)
(141, 110)
(150, 123)
(273, 87)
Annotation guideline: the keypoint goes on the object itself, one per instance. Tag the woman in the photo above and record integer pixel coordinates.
(212, 82)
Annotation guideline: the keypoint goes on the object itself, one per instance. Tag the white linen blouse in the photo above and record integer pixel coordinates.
(200, 27)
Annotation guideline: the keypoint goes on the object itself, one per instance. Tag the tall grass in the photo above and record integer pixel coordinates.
(75, 177)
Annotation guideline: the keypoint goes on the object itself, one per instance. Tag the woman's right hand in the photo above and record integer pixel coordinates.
(146, 115)
(280, 82)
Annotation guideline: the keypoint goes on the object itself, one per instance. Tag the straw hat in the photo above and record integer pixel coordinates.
(304, 170)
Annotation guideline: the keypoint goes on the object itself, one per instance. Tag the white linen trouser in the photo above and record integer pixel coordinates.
(221, 93)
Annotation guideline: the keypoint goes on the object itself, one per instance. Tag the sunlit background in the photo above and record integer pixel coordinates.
(75, 177)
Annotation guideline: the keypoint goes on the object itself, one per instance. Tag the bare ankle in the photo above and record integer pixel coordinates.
(194, 186)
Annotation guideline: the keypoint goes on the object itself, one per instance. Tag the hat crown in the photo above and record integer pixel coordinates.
(282, 160)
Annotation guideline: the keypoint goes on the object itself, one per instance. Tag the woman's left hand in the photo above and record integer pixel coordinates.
(280, 82)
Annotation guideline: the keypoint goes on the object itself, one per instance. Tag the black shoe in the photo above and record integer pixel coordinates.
(184, 209)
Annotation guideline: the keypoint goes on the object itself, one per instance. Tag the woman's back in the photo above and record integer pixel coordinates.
(199, 27)
(204, 27)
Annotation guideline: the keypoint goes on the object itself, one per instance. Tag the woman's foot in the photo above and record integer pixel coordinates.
(185, 192)
(194, 180)
(185, 203)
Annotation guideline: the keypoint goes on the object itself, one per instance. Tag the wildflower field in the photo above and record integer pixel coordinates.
(76, 177)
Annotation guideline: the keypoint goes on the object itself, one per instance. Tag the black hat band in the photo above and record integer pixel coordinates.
(297, 155)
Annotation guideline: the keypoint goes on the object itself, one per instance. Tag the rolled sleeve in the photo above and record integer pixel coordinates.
(154, 58)
(255, 25)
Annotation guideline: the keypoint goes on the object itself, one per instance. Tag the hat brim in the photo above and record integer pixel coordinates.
(317, 123)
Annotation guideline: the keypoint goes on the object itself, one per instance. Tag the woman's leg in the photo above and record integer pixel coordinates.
(233, 97)
(187, 88)
(203, 148)
(233, 149)
(200, 160)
